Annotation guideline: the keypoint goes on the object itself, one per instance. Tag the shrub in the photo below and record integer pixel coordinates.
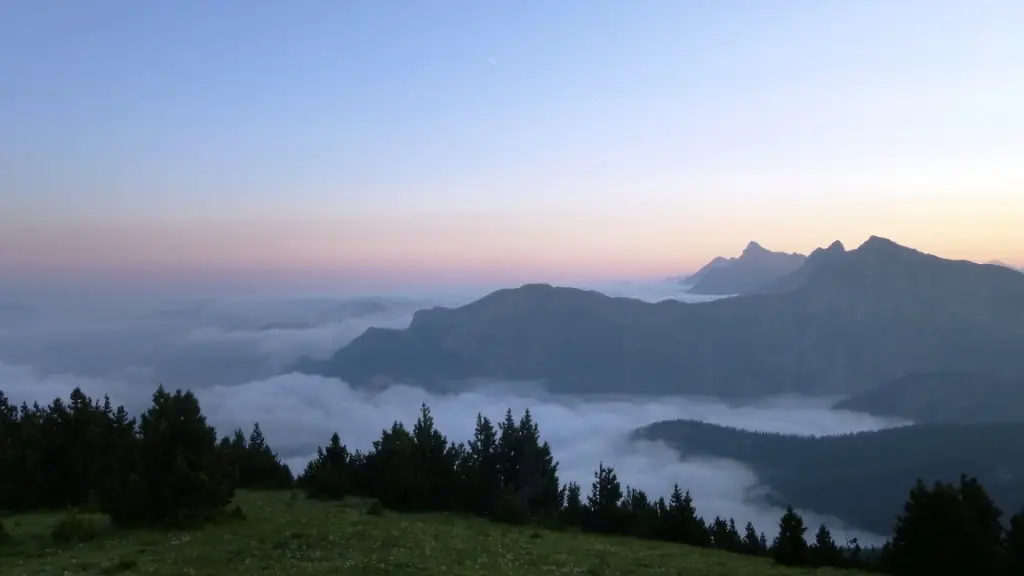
(237, 513)
(74, 529)
(375, 508)
(511, 511)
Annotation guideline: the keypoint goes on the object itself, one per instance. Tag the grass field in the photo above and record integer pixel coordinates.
(283, 534)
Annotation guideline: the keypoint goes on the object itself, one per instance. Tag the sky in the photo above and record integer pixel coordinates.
(380, 143)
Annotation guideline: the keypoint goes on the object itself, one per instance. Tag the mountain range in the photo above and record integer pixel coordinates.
(755, 267)
(841, 323)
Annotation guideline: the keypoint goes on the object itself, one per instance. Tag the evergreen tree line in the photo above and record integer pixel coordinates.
(168, 469)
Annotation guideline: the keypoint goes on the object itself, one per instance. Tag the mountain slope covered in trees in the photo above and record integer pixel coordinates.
(862, 478)
(843, 322)
(943, 397)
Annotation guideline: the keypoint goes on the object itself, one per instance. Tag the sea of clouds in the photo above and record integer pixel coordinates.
(232, 352)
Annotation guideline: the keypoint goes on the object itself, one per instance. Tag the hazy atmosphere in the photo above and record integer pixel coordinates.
(230, 352)
(767, 252)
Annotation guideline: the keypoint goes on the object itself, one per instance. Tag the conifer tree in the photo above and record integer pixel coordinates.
(824, 552)
(1015, 545)
(751, 541)
(177, 475)
(508, 452)
(639, 513)
(945, 530)
(683, 524)
(328, 475)
(790, 548)
(388, 469)
(603, 512)
(433, 470)
(572, 509)
(483, 475)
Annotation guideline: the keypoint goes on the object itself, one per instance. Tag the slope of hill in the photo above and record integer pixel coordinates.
(302, 537)
(943, 397)
(862, 478)
(842, 323)
(754, 268)
(1005, 265)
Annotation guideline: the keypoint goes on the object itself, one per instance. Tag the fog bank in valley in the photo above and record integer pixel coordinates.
(232, 352)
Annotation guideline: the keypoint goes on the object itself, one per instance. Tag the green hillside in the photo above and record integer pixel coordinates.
(283, 534)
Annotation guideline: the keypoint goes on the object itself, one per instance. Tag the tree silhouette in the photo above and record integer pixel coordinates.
(603, 512)
(753, 543)
(824, 552)
(167, 469)
(1015, 545)
(946, 530)
(790, 548)
(177, 475)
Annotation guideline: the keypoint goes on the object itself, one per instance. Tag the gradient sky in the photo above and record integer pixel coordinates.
(377, 142)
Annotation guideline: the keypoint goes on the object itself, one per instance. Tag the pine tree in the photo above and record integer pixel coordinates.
(824, 552)
(752, 543)
(1015, 545)
(683, 524)
(946, 530)
(483, 475)
(434, 488)
(639, 513)
(328, 475)
(572, 508)
(603, 512)
(508, 452)
(389, 469)
(177, 475)
(790, 548)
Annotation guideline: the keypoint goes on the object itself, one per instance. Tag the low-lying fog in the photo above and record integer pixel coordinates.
(232, 352)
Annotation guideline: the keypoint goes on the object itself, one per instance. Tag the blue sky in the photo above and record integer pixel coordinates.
(383, 140)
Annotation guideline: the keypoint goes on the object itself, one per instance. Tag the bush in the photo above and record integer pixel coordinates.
(511, 511)
(375, 508)
(5, 536)
(237, 513)
(74, 529)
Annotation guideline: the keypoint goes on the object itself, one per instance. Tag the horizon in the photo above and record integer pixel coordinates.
(380, 146)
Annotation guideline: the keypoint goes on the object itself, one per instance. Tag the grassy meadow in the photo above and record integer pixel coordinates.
(283, 533)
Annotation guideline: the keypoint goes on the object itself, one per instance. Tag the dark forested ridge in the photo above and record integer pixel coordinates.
(862, 478)
(842, 323)
(168, 469)
(943, 397)
(754, 268)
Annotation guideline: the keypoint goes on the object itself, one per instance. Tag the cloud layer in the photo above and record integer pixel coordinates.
(203, 343)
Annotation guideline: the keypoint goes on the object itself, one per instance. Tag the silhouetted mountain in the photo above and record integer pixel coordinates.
(1005, 265)
(842, 323)
(754, 268)
(717, 262)
(943, 397)
(862, 478)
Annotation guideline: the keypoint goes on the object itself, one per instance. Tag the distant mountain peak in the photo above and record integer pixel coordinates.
(836, 246)
(879, 244)
(755, 267)
(753, 248)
